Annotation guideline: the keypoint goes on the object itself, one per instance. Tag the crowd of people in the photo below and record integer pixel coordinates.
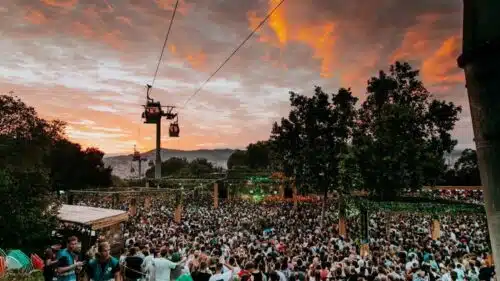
(274, 241)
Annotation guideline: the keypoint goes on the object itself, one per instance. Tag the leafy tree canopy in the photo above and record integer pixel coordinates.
(465, 172)
(181, 167)
(402, 133)
(309, 145)
(35, 161)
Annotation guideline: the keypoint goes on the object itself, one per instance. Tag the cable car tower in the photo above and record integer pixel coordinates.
(136, 157)
(153, 113)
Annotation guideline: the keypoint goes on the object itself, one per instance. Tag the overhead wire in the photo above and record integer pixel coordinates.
(165, 42)
(234, 52)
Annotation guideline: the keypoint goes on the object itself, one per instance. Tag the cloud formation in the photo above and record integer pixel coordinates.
(87, 62)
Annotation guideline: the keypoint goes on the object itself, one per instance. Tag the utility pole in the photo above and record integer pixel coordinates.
(138, 158)
(481, 60)
(153, 113)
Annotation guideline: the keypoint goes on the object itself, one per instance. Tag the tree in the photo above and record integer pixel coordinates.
(200, 166)
(467, 168)
(257, 155)
(237, 158)
(170, 167)
(94, 172)
(465, 171)
(311, 141)
(28, 207)
(402, 133)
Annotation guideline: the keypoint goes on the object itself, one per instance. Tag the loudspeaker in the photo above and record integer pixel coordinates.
(288, 192)
(222, 189)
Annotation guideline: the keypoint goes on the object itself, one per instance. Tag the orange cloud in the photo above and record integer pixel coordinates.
(416, 41)
(168, 5)
(64, 4)
(197, 60)
(441, 66)
(278, 23)
(321, 38)
(83, 30)
(35, 17)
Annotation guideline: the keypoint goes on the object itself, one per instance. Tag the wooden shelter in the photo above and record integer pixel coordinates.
(95, 218)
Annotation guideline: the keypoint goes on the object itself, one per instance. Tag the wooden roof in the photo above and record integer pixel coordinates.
(96, 218)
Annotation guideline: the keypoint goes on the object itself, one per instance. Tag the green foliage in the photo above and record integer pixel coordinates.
(18, 276)
(402, 133)
(309, 145)
(257, 157)
(27, 208)
(237, 159)
(74, 168)
(36, 161)
(181, 167)
(465, 172)
(436, 207)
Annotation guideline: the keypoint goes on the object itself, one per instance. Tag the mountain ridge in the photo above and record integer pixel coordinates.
(122, 164)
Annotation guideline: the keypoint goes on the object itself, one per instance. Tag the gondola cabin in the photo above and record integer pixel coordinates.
(152, 113)
(173, 130)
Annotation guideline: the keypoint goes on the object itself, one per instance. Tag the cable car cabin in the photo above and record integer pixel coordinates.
(173, 130)
(152, 113)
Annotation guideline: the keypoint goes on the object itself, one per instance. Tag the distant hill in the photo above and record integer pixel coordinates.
(122, 164)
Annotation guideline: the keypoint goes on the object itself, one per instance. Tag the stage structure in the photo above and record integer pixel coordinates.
(153, 113)
(137, 157)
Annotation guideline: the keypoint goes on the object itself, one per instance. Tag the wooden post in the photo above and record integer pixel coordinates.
(435, 229)
(178, 213)
(295, 199)
(342, 214)
(282, 191)
(342, 227)
(480, 60)
(216, 195)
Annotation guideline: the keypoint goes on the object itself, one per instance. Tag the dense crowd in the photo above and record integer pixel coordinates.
(274, 241)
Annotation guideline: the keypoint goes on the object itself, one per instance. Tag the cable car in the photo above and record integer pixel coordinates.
(152, 112)
(173, 130)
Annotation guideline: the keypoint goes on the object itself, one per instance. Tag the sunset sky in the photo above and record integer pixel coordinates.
(86, 62)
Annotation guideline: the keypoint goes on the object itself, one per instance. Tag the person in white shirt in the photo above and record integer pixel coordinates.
(162, 267)
(219, 276)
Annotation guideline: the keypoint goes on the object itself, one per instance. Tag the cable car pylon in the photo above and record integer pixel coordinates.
(153, 113)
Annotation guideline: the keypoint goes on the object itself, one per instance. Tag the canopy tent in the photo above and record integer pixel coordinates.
(96, 218)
